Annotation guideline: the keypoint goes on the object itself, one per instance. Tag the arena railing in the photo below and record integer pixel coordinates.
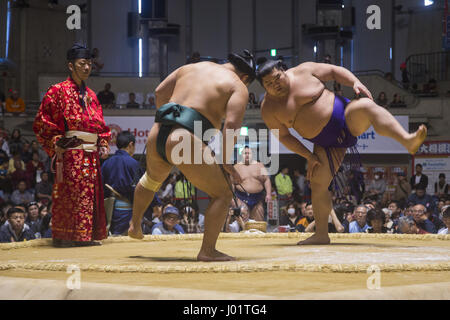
(425, 66)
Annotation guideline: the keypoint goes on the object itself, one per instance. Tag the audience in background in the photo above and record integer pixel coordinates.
(377, 187)
(97, 63)
(441, 187)
(397, 102)
(376, 220)
(446, 220)
(106, 97)
(382, 100)
(402, 189)
(15, 230)
(151, 103)
(132, 104)
(360, 222)
(419, 179)
(170, 222)
(15, 104)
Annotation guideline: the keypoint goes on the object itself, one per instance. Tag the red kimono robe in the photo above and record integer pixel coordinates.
(78, 212)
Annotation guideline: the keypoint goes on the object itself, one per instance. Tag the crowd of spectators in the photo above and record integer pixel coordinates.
(25, 189)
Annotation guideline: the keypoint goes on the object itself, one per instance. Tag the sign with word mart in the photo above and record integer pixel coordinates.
(368, 143)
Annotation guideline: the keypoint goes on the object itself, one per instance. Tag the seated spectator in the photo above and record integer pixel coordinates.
(43, 211)
(151, 104)
(376, 220)
(360, 222)
(290, 217)
(167, 188)
(389, 224)
(25, 153)
(382, 99)
(46, 226)
(402, 189)
(252, 103)
(15, 230)
(421, 197)
(44, 189)
(132, 104)
(33, 220)
(377, 187)
(5, 179)
(16, 163)
(446, 219)
(15, 104)
(334, 224)
(304, 222)
(21, 195)
(16, 141)
(396, 210)
(169, 225)
(434, 218)
(43, 156)
(4, 146)
(34, 168)
(407, 225)
(441, 187)
(441, 204)
(421, 219)
(344, 212)
(19, 175)
(397, 102)
(189, 221)
(152, 216)
(236, 219)
(97, 63)
(106, 97)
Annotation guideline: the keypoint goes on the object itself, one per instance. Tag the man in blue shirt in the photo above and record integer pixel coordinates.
(122, 172)
(360, 223)
(421, 219)
(420, 197)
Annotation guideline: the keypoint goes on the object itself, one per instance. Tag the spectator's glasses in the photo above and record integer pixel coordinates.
(418, 211)
(172, 218)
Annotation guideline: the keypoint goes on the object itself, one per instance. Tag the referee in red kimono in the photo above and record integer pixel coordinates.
(70, 109)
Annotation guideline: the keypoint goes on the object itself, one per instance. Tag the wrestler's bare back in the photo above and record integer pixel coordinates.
(252, 175)
(206, 88)
(308, 106)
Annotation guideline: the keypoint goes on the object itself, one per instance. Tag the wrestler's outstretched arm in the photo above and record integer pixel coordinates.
(328, 72)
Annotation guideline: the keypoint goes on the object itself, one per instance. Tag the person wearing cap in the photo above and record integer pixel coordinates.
(203, 94)
(170, 222)
(70, 111)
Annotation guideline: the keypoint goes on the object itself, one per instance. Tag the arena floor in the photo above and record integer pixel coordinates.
(268, 266)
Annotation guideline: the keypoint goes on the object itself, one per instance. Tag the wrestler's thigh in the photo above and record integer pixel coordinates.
(157, 168)
(207, 177)
(258, 212)
(357, 115)
(322, 174)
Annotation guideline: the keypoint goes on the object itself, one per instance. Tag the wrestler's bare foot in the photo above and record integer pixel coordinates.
(315, 240)
(135, 232)
(214, 256)
(417, 138)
